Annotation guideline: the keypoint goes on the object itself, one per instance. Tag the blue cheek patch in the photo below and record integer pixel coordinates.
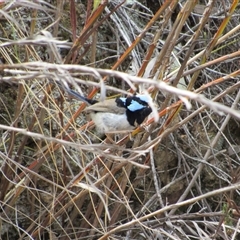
(134, 106)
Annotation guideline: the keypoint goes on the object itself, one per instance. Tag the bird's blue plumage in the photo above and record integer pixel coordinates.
(134, 106)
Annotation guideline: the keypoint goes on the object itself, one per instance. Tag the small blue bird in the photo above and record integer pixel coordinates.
(119, 114)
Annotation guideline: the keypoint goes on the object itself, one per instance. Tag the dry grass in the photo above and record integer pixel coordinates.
(177, 178)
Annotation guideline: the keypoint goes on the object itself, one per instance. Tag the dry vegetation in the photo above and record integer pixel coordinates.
(177, 178)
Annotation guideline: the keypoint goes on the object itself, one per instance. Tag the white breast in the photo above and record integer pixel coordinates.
(110, 122)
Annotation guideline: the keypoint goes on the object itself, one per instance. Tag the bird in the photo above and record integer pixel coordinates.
(115, 115)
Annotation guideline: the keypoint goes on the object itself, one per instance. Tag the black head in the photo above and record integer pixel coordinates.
(137, 108)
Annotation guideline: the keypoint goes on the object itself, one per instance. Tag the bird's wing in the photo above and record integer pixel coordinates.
(109, 106)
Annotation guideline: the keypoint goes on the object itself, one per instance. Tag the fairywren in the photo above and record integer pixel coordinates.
(116, 114)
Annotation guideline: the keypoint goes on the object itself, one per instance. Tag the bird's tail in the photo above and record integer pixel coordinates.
(75, 94)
